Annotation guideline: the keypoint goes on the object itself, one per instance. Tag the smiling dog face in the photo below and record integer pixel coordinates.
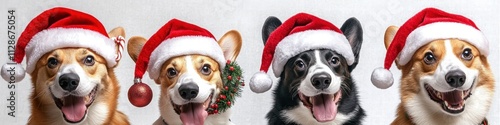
(75, 85)
(190, 83)
(445, 80)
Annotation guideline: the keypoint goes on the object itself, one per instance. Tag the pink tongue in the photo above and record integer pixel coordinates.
(193, 114)
(324, 109)
(74, 108)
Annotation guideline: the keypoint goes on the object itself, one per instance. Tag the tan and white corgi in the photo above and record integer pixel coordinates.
(191, 83)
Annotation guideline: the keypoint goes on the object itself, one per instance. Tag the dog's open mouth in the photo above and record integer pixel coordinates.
(322, 106)
(193, 113)
(74, 108)
(452, 102)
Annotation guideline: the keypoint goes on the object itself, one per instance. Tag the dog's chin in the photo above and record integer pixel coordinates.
(322, 106)
(193, 113)
(74, 108)
(452, 102)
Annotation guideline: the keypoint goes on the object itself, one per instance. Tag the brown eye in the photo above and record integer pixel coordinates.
(300, 65)
(52, 62)
(171, 72)
(335, 61)
(429, 58)
(89, 61)
(206, 70)
(467, 54)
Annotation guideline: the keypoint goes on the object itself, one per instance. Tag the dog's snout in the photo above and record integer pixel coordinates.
(321, 81)
(188, 91)
(69, 81)
(455, 78)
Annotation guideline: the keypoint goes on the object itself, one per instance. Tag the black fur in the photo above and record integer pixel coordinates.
(285, 94)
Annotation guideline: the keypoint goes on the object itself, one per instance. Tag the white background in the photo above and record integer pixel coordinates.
(145, 17)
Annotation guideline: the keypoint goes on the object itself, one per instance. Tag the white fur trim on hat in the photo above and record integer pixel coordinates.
(260, 82)
(184, 45)
(55, 38)
(382, 78)
(442, 30)
(307, 40)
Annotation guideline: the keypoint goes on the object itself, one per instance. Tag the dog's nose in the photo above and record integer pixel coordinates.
(69, 81)
(455, 78)
(321, 81)
(188, 91)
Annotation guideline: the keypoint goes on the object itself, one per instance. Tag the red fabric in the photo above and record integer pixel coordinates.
(297, 23)
(422, 18)
(57, 17)
(173, 28)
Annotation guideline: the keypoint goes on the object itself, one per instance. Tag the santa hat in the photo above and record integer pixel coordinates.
(300, 33)
(59, 28)
(427, 25)
(175, 38)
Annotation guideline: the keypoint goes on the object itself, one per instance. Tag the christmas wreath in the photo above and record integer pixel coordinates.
(232, 87)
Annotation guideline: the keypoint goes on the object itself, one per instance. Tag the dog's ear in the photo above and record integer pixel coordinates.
(118, 31)
(354, 33)
(390, 32)
(134, 46)
(270, 25)
(231, 44)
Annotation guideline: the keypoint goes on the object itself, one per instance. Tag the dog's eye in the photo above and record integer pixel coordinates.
(467, 54)
(335, 61)
(89, 61)
(52, 62)
(299, 65)
(429, 58)
(205, 70)
(171, 72)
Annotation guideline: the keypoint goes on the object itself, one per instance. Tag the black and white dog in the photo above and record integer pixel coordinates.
(316, 86)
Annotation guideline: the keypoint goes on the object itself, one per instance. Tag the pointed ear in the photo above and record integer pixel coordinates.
(354, 33)
(231, 44)
(118, 31)
(390, 32)
(270, 25)
(134, 46)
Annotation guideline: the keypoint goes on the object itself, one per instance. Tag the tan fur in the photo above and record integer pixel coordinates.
(230, 43)
(416, 68)
(43, 109)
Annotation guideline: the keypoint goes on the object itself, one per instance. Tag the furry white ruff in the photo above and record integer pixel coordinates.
(55, 38)
(184, 45)
(308, 40)
(260, 82)
(442, 30)
(424, 111)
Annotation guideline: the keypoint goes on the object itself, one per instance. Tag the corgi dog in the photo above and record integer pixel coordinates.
(190, 83)
(74, 85)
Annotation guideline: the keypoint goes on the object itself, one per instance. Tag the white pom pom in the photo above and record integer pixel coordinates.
(13, 72)
(260, 82)
(382, 78)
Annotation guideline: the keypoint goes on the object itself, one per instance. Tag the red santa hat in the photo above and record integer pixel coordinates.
(175, 38)
(59, 28)
(427, 25)
(300, 33)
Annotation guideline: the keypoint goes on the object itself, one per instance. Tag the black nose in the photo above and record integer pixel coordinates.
(69, 81)
(321, 81)
(188, 91)
(455, 78)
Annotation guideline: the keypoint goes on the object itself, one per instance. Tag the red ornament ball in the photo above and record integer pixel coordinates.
(231, 68)
(215, 106)
(228, 103)
(239, 78)
(140, 94)
(223, 97)
(229, 77)
(242, 84)
(228, 62)
(218, 100)
(216, 111)
(226, 88)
